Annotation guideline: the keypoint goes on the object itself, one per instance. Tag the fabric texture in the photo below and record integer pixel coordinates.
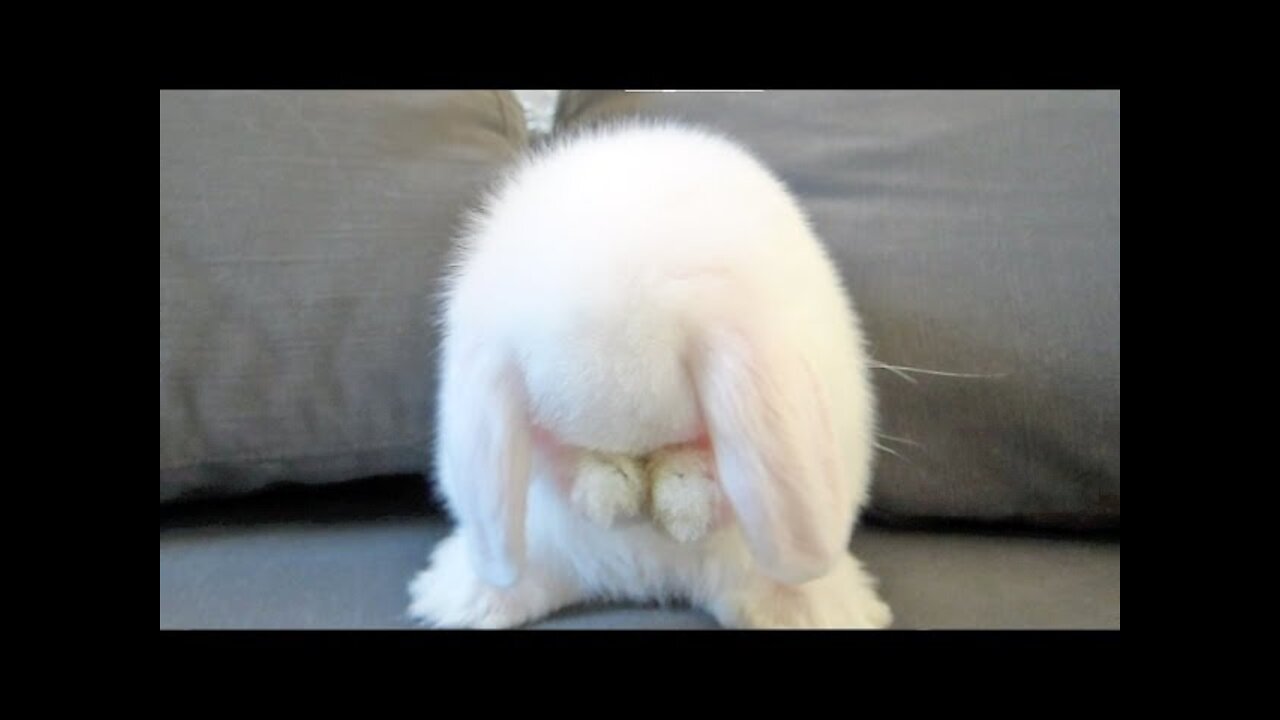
(341, 557)
(979, 234)
(302, 240)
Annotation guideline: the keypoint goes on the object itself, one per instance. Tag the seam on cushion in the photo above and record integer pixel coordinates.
(502, 113)
(566, 116)
(294, 456)
(505, 113)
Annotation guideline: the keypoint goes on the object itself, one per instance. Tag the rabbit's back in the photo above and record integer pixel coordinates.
(601, 260)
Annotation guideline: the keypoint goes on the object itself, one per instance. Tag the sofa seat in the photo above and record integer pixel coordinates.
(340, 558)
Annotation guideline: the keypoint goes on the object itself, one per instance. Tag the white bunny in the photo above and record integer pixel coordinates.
(641, 319)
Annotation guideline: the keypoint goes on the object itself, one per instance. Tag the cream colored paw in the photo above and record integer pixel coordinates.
(608, 488)
(684, 495)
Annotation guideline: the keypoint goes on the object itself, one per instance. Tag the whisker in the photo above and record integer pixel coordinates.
(902, 370)
(897, 372)
(905, 441)
(892, 452)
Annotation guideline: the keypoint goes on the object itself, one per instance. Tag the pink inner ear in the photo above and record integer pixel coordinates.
(555, 454)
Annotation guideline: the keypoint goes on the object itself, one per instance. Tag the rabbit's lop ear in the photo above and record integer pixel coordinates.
(776, 452)
(483, 457)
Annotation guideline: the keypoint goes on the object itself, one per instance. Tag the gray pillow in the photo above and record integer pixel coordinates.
(302, 237)
(979, 233)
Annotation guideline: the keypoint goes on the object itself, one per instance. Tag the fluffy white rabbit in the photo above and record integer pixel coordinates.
(641, 320)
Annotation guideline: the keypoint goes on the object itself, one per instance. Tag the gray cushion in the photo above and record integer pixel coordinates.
(302, 236)
(979, 233)
(343, 561)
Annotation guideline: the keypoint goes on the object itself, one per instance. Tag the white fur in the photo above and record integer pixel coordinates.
(622, 296)
(608, 488)
(685, 496)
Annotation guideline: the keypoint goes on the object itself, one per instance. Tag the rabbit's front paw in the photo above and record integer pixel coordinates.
(684, 494)
(608, 489)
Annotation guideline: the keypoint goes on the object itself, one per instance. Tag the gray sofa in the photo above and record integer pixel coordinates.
(302, 238)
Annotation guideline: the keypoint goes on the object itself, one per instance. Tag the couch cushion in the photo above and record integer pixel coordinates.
(979, 233)
(341, 557)
(302, 237)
